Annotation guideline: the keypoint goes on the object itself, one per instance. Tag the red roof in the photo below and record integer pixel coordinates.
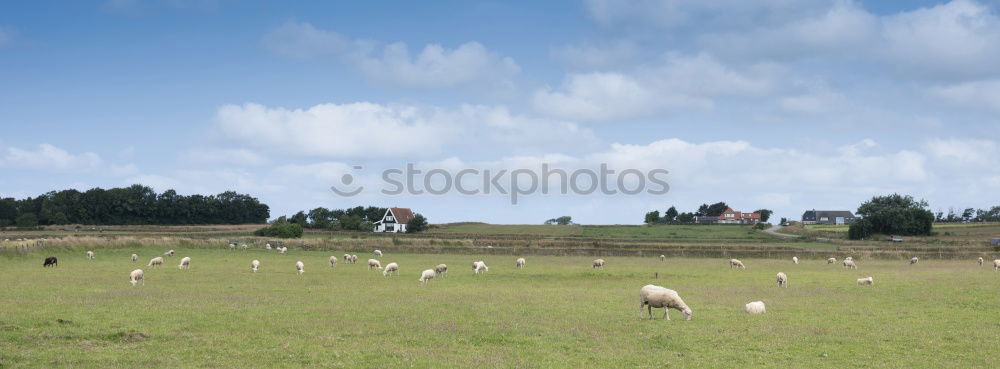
(402, 215)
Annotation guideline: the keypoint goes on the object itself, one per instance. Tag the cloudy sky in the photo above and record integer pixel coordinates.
(780, 104)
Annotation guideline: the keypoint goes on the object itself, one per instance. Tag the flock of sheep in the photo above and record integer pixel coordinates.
(650, 296)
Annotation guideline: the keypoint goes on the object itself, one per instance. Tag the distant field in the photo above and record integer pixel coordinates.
(556, 313)
(518, 229)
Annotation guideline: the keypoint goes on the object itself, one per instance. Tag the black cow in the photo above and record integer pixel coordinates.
(51, 261)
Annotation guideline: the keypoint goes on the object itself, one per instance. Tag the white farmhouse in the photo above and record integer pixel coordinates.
(394, 220)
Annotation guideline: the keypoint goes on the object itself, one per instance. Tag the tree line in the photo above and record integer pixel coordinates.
(892, 215)
(969, 215)
(133, 205)
(672, 216)
(359, 218)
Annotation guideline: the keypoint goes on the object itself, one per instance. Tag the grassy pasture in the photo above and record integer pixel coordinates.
(558, 312)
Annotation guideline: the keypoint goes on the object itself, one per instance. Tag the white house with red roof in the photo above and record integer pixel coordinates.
(394, 220)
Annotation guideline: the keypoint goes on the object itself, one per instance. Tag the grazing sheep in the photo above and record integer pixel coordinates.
(372, 263)
(378, 253)
(756, 307)
(831, 260)
(354, 259)
(849, 264)
(598, 263)
(282, 250)
(299, 267)
(996, 265)
(267, 246)
(795, 260)
(50, 261)
(980, 261)
(851, 258)
(866, 281)
(480, 267)
(426, 276)
(155, 261)
(441, 270)
(136, 276)
(90, 255)
(651, 296)
(782, 280)
(347, 258)
(734, 263)
(254, 265)
(914, 260)
(135, 257)
(333, 261)
(519, 263)
(244, 247)
(232, 246)
(389, 268)
(185, 263)
(169, 253)
(663, 258)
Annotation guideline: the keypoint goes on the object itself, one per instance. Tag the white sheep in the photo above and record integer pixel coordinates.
(389, 268)
(519, 263)
(441, 270)
(347, 258)
(869, 281)
(373, 263)
(333, 261)
(831, 260)
(135, 257)
(734, 263)
(651, 296)
(354, 259)
(480, 267)
(598, 263)
(244, 247)
(254, 265)
(169, 253)
(136, 276)
(267, 246)
(90, 255)
(282, 250)
(663, 258)
(232, 246)
(849, 264)
(378, 253)
(426, 276)
(157, 261)
(795, 260)
(782, 280)
(914, 260)
(980, 261)
(300, 267)
(185, 263)
(996, 265)
(849, 258)
(756, 307)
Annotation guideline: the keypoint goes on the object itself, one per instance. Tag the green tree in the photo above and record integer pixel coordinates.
(283, 230)
(417, 224)
(653, 217)
(716, 209)
(764, 215)
(27, 220)
(670, 215)
(892, 214)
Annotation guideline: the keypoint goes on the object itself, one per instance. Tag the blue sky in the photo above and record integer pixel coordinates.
(788, 105)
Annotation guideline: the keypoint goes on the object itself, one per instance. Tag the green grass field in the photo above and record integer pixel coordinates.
(558, 312)
(679, 232)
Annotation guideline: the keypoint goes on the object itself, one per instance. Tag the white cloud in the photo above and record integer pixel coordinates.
(234, 157)
(590, 56)
(366, 130)
(469, 64)
(963, 151)
(978, 94)
(676, 83)
(49, 158)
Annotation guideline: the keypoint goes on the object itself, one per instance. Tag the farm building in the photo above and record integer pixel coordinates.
(705, 220)
(731, 216)
(394, 220)
(828, 217)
